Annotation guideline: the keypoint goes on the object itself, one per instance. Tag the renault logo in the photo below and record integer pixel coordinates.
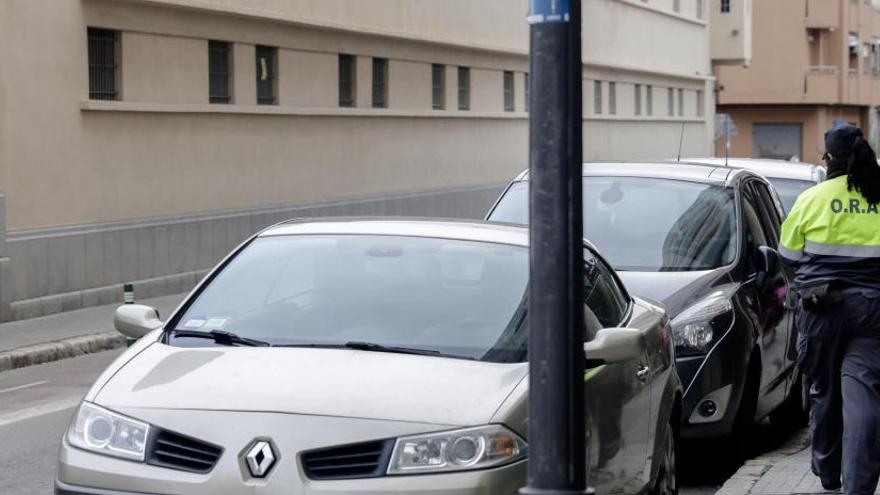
(260, 458)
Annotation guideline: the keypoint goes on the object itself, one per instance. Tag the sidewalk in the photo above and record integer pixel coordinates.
(63, 335)
(785, 471)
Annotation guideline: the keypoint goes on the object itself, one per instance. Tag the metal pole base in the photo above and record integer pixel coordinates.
(551, 491)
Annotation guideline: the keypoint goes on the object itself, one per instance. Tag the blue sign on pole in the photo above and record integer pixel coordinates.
(548, 11)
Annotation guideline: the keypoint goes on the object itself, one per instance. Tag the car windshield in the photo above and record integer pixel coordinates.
(646, 224)
(789, 190)
(450, 297)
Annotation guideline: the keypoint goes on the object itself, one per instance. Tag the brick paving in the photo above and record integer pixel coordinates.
(785, 471)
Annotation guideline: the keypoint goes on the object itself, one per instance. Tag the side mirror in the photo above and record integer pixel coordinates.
(615, 345)
(768, 260)
(136, 320)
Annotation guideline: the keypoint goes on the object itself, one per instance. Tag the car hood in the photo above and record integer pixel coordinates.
(676, 290)
(325, 382)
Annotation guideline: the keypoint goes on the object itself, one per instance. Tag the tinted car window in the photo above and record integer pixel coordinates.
(648, 224)
(603, 296)
(753, 228)
(789, 190)
(462, 299)
(770, 213)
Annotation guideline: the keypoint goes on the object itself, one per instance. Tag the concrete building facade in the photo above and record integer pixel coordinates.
(815, 61)
(140, 140)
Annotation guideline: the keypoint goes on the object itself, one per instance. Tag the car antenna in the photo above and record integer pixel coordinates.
(680, 141)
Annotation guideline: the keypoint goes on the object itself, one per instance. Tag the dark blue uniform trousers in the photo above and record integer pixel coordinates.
(839, 350)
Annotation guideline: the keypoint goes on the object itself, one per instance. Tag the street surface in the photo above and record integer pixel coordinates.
(37, 403)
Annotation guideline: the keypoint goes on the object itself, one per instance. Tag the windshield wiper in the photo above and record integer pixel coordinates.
(221, 337)
(369, 346)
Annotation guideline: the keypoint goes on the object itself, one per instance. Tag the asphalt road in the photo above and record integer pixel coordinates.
(37, 403)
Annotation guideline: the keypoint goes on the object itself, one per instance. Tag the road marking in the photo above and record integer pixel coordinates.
(29, 385)
(37, 411)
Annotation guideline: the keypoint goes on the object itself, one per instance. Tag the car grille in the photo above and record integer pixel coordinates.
(175, 451)
(360, 460)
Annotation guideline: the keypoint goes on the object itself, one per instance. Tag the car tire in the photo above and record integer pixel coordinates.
(795, 411)
(667, 476)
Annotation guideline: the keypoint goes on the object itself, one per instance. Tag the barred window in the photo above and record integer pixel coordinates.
(219, 72)
(597, 97)
(725, 6)
(528, 88)
(701, 109)
(464, 88)
(671, 100)
(103, 64)
(267, 86)
(681, 102)
(612, 98)
(649, 100)
(347, 89)
(508, 91)
(380, 82)
(438, 87)
(638, 100)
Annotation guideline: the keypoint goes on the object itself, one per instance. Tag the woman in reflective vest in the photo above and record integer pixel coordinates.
(832, 238)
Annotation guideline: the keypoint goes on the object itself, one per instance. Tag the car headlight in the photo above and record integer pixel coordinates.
(459, 450)
(694, 329)
(106, 432)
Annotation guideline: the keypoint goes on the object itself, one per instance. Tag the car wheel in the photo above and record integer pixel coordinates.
(795, 411)
(667, 477)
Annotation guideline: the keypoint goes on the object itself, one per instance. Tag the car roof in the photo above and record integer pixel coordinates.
(464, 230)
(777, 169)
(694, 172)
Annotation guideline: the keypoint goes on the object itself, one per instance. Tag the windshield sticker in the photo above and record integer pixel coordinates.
(215, 323)
(194, 323)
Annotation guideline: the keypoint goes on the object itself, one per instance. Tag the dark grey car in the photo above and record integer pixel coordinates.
(700, 239)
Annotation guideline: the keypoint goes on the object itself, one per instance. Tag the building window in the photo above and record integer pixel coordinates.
(464, 88)
(219, 72)
(701, 109)
(649, 100)
(725, 6)
(699, 9)
(528, 87)
(347, 72)
(638, 100)
(670, 98)
(380, 83)
(676, 5)
(103, 64)
(681, 103)
(597, 97)
(612, 98)
(508, 91)
(267, 57)
(438, 86)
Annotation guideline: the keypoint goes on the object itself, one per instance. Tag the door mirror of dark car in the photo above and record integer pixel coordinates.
(768, 260)
(615, 345)
(136, 320)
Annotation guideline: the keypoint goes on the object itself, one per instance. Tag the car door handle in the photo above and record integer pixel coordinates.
(643, 372)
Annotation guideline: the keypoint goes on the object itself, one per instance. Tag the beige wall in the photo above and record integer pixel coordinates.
(183, 77)
(163, 150)
(815, 120)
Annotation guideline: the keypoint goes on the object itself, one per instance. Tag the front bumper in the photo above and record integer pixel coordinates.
(718, 376)
(85, 473)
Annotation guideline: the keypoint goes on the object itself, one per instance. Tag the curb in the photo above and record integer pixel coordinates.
(61, 349)
(742, 482)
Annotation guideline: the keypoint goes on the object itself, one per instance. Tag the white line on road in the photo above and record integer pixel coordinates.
(29, 385)
(41, 410)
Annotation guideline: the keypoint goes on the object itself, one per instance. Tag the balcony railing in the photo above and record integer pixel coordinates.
(822, 69)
